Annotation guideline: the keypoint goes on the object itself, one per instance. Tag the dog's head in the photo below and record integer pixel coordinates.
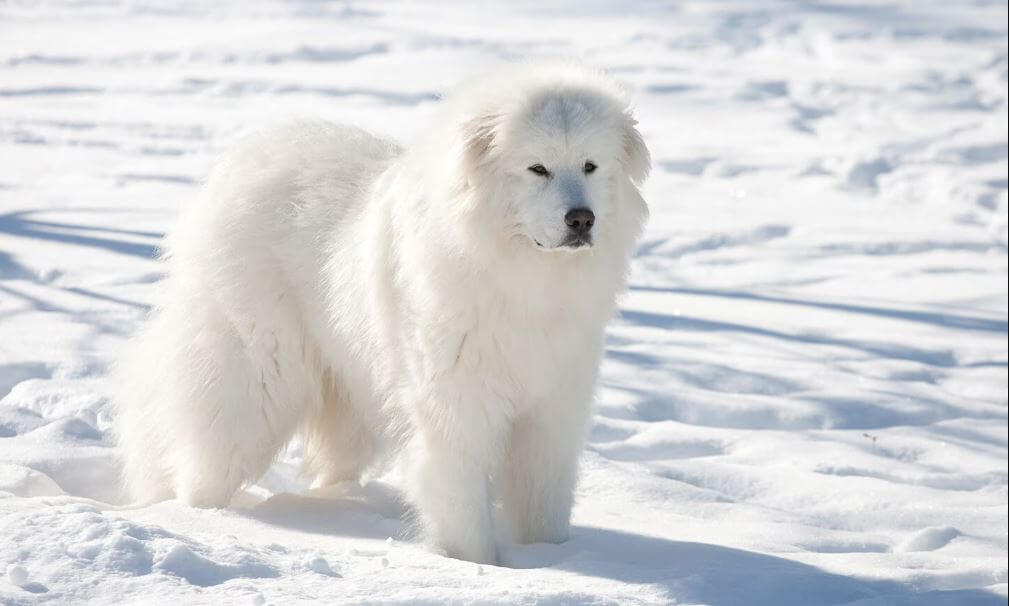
(556, 159)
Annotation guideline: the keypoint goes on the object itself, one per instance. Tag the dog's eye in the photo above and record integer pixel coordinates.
(540, 170)
(589, 168)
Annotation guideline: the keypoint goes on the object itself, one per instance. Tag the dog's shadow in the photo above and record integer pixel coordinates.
(372, 511)
(685, 571)
(700, 573)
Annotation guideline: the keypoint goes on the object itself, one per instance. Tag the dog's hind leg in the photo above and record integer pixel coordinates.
(224, 393)
(338, 443)
(265, 376)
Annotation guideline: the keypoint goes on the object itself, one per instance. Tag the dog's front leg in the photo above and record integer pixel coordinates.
(538, 473)
(456, 445)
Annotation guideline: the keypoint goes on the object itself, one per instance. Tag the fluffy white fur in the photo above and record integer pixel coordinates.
(377, 299)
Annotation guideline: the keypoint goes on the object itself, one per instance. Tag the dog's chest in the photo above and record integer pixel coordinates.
(527, 360)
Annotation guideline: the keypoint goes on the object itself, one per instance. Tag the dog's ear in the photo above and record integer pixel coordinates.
(478, 139)
(638, 159)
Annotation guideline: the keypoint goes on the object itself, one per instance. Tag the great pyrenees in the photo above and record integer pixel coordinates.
(446, 302)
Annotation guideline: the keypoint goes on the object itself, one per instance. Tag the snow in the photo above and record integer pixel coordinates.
(804, 400)
(17, 575)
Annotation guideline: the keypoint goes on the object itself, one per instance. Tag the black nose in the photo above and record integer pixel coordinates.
(580, 220)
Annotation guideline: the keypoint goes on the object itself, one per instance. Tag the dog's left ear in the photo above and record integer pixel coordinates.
(638, 159)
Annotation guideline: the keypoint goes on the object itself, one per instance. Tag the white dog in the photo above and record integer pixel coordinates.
(449, 300)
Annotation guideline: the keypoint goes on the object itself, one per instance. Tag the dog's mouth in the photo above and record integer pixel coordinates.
(575, 242)
(571, 243)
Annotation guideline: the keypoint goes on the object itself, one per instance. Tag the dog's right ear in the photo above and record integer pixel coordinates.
(478, 140)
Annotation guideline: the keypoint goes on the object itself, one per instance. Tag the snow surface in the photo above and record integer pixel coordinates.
(803, 402)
